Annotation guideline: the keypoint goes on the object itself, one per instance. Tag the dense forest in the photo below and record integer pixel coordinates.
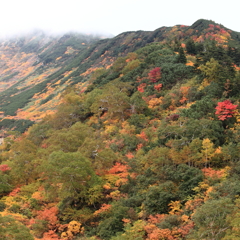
(138, 141)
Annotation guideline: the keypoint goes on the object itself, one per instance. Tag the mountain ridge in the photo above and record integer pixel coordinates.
(44, 66)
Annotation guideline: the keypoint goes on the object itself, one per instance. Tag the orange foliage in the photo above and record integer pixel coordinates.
(143, 136)
(126, 220)
(120, 171)
(209, 172)
(183, 45)
(129, 155)
(49, 215)
(118, 168)
(156, 218)
(50, 235)
(184, 91)
(104, 208)
(139, 146)
(190, 64)
(155, 233)
(15, 191)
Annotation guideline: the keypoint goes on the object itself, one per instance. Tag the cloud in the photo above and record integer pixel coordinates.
(109, 16)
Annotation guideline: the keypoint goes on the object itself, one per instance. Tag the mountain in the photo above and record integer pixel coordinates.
(130, 137)
(37, 68)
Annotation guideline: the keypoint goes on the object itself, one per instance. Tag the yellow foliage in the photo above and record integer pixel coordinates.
(110, 128)
(67, 235)
(37, 195)
(74, 228)
(175, 207)
(115, 194)
(204, 84)
(154, 102)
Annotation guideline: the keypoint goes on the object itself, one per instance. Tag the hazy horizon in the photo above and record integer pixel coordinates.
(109, 18)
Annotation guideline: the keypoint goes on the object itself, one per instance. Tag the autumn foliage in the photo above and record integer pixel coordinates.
(126, 145)
(155, 74)
(225, 110)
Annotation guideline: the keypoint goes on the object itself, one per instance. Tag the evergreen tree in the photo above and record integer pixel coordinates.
(190, 47)
(181, 57)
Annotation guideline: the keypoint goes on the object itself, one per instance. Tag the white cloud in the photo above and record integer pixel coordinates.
(111, 16)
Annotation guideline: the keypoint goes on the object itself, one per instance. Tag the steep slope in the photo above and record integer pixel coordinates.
(149, 150)
(37, 69)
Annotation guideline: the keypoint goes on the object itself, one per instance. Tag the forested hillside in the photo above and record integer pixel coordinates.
(137, 136)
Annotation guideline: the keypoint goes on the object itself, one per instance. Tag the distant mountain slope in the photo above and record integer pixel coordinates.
(36, 69)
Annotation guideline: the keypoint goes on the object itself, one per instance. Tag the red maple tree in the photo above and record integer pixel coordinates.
(225, 110)
(155, 74)
(4, 167)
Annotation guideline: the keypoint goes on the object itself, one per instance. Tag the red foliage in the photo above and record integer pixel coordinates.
(155, 74)
(225, 110)
(141, 87)
(223, 31)
(211, 26)
(158, 86)
(4, 167)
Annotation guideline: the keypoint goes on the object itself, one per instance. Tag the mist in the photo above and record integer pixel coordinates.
(108, 18)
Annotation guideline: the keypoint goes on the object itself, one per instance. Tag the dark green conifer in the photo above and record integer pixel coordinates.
(190, 47)
(181, 57)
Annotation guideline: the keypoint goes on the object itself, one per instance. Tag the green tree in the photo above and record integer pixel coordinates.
(212, 70)
(112, 223)
(190, 47)
(233, 232)
(69, 175)
(135, 231)
(158, 197)
(210, 219)
(137, 104)
(181, 56)
(114, 100)
(68, 139)
(12, 229)
(5, 185)
(23, 161)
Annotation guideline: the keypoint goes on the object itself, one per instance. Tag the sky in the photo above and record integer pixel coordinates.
(111, 16)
